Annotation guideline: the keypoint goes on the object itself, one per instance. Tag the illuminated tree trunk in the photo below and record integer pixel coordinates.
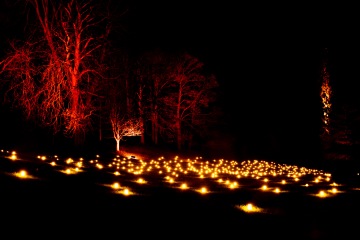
(117, 145)
(141, 113)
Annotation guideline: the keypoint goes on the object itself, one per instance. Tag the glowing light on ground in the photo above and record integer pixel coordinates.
(203, 190)
(13, 156)
(250, 208)
(116, 185)
(184, 186)
(141, 181)
(126, 192)
(23, 174)
(322, 194)
(69, 171)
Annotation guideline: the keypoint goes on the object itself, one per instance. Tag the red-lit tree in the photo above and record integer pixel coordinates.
(187, 97)
(54, 74)
(123, 126)
(175, 97)
(151, 75)
(326, 97)
(121, 101)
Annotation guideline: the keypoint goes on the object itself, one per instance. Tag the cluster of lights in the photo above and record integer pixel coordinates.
(195, 174)
(325, 95)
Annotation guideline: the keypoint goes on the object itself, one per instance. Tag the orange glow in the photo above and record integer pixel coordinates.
(116, 185)
(325, 95)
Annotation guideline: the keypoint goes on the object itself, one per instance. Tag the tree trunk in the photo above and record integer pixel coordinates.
(117, 145)
(154, 129)
(143, 131)
(178, 135)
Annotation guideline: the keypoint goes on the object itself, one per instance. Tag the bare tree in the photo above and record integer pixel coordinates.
(185, 98)
(151, 76)
(123, 126)
(53, 74)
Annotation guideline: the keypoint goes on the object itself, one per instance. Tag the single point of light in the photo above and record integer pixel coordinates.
(141, 180)
(322, 193)
(249, 207)
(22, 173)
(126, 192)
(116, 185)
(203, 190)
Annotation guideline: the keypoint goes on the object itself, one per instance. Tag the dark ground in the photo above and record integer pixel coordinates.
(55, 204)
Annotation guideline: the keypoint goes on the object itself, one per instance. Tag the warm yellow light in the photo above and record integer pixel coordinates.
(126, 192)
(69, 160)
(140, 180)
(277, 190)
(250, 208)
(184, 186)
(116, 185)
(264, 187)
(22, 173)
(203, 190)
(322, 193)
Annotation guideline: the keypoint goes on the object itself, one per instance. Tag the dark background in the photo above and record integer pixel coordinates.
(267, 58)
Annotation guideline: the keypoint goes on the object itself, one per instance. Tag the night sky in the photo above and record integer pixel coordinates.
(267, 58)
